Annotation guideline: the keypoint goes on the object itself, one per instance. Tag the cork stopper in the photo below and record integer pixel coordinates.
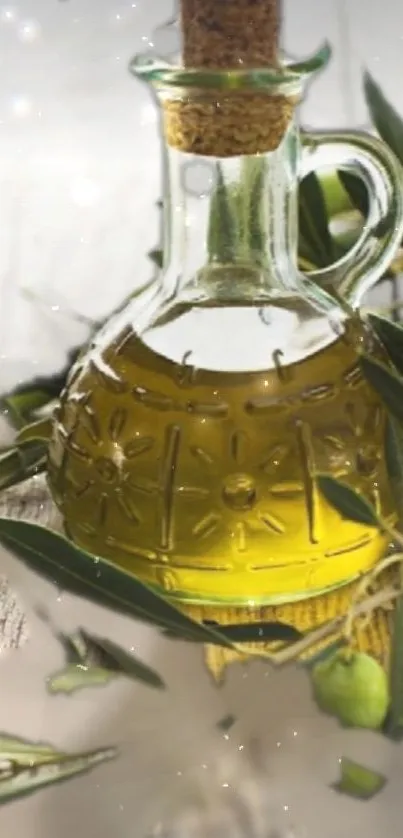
(228, 35)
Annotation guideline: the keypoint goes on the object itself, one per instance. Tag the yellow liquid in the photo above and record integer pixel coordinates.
(203, 483)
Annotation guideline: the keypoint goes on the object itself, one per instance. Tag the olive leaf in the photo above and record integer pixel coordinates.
(78, 572)
(391, 336)
(39, 431)
(259, 632)
(75, 677)
(394, 451)
(337, 201)
(393, 448)
(223, 233)
(359, 198)
(157, 257)
(348, 503)
(95, 661)
(27, 767)
(20, 408)
(356, 191)
(386, 383)
(23, 404)
(394, 463)
(254, 200)
(357, 781)
(315, 241)
(394, 722)
(27, 456)
(20, 462)
(226, 723)
(385, 118)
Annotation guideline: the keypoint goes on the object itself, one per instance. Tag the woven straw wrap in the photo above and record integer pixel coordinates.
(371, 635)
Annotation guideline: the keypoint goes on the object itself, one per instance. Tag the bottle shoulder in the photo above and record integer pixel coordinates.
(122, 361)
(226, 336)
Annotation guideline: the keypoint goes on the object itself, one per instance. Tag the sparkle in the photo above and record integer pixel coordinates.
(8, 15)
(21, 106)
(29, 31)
(118, 455)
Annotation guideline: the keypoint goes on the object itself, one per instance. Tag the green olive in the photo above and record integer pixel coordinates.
(353, 687)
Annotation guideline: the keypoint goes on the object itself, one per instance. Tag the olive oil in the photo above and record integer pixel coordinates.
(202, 483)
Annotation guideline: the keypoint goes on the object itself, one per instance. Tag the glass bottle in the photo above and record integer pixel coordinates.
(189, 435)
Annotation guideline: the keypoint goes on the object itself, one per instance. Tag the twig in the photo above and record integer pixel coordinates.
(295, 650)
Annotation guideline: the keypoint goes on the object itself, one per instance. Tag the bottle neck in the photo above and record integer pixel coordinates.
(230, 230)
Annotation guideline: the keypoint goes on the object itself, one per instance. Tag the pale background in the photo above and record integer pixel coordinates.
(79, 177)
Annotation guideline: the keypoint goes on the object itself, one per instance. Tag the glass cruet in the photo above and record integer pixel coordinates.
(187, 440)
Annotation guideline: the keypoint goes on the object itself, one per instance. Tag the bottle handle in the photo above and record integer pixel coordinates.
(377, 167)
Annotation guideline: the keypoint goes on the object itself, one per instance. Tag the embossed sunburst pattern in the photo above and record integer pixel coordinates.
(204, 483)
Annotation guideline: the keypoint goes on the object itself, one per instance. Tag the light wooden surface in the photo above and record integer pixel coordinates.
(31, 502)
